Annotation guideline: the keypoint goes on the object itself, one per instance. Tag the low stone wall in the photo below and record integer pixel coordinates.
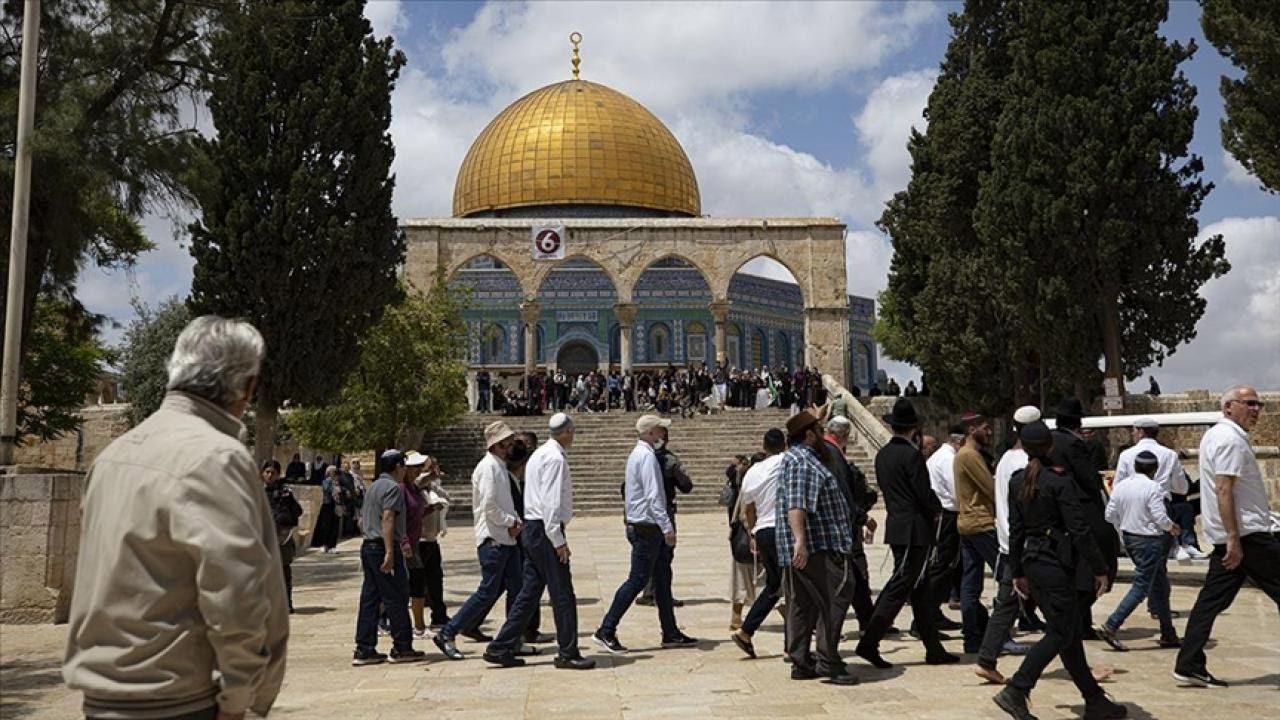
(39, 543)
(77, 450)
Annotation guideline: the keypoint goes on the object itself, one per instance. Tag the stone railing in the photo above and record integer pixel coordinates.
(39, 543)
(871, 432)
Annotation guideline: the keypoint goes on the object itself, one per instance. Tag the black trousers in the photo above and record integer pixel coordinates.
(1054, 589)
(542, 571)
(287, 552)
(818, 598)
(433, 565)
(863, 607)
(905, 584)
(944, 569)
(1261, 564)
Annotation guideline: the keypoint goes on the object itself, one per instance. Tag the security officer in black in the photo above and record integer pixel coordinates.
(1073, 452)
(1053, 557)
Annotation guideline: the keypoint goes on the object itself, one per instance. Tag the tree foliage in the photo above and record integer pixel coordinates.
(296, 233)
(410, 378)
(63, 364)
(1050, 218)
(148, 343)
(113, 134)
(1247, 32)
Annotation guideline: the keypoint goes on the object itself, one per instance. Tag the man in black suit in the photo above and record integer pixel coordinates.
(1072, 451)
(913, 512)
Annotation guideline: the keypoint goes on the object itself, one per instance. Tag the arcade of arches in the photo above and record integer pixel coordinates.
(622, 255)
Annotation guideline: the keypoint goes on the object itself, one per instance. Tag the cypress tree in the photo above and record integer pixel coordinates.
(296, 233)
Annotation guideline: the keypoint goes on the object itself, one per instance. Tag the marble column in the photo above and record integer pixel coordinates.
(626, 315)
(720, 313)
(529, 312)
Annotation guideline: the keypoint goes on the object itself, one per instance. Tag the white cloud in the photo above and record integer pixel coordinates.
(386, 16)
(885, 123)
(1236, 174)
(1238, 339)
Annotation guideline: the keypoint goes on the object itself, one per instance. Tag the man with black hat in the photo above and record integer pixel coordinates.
(913, 512)
(1071, 451)
(814, 538)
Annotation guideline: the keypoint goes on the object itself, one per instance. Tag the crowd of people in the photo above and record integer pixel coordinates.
(182, 586)
(695, 390)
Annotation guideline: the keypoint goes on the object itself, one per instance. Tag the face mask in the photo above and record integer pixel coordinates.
(659, 444)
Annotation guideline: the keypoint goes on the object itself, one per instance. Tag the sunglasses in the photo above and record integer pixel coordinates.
(1255, 404)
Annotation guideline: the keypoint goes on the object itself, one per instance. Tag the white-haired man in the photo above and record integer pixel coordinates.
(180, 608)
(548, 508)
(1236, 518)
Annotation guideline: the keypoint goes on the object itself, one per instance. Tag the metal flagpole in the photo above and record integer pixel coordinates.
(18, 234)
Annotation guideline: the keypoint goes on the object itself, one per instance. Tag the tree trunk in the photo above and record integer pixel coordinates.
(264, 426)
(1109, 319)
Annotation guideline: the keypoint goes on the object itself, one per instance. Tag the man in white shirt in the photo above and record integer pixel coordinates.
(548, 508)
(943, 573)
(1236, 519)
(1145, 431)
(652, 537)
(997, 639)
(1137, 508)
(496, 527)
(759, 497)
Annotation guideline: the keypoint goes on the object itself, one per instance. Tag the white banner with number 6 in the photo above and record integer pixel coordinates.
(548, 242)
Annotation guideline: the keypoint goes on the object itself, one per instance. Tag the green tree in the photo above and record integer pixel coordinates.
(148, 343)
(62, 365)
(1093, 187)
(296, 233)
(411, 378)
(113, 136)
(938, 311)
(1247, 32)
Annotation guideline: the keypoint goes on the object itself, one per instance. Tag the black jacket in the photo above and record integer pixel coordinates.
(909, 500)
(285, 509)
(853, 484)
(1051, 527)
(1070, 451)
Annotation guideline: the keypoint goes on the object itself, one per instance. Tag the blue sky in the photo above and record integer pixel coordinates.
(784, 109)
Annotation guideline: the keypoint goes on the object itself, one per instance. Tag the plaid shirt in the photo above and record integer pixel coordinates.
(805, 484)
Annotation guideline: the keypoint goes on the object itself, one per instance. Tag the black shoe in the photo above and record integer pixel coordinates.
(407, 656)
(1198, 679)
(506, 660)
(1109, 637)
(872, 655)
(1174, 614)
(367, 657)
(940, 658)
(744, 644)
(843, 677)
(1032, 624)
(537, 638)
(1101, 707)
(1090, 633)
(1014, 702)
(1171, 641)
(447, 647)
(799, 672)
(645, 600)
(609, 643)
(679, 640)
(475, 634)
(575, 663)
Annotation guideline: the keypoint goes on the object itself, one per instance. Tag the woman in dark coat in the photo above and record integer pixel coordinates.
(1054, 558)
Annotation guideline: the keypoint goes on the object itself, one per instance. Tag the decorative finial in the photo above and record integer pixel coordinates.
(575, 37)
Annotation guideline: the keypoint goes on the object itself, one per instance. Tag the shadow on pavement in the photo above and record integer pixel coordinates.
(24, 681)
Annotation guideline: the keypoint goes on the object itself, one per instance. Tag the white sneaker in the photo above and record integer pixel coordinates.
(1194, 553)
(1182, 555)
(419, 632)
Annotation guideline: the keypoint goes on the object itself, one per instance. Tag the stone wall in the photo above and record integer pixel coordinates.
(76, 451)
(39, 543)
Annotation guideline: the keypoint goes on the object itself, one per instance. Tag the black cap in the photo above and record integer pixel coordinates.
(1036, 433)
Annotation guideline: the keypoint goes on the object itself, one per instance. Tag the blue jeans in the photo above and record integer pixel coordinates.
(980, 551)
(1149, 555)
(388, 592)
(1185, 515)
(542, 569)
(650, 557)
(499, 570)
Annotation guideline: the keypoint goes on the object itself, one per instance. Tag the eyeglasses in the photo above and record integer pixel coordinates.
(1255, 404)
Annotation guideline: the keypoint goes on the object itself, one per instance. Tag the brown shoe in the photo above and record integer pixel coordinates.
(743, 641)
(990, 675)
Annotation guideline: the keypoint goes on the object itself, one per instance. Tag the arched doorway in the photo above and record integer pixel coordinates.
(577, 358)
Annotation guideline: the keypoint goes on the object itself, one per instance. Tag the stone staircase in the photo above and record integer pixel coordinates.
(598, 458)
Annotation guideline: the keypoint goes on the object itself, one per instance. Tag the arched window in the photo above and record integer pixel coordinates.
(493, 343)
(615, 343)
(540, 355)
(659, 343)
(759, 349)
(733, 345)
(696, 342)
(783, 344)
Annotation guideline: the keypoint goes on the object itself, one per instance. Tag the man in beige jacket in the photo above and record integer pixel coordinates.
(976, 523)
(179, 609)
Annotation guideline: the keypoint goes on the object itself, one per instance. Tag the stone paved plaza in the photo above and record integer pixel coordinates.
(713, 680)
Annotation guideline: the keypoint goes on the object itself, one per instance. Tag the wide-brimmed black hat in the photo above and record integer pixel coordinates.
(1070, 409)
(903, 415)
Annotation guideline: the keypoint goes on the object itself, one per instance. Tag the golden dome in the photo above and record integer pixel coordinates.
(576, 143)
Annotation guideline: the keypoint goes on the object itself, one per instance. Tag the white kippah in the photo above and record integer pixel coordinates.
(1026, 415)
(560, 421)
